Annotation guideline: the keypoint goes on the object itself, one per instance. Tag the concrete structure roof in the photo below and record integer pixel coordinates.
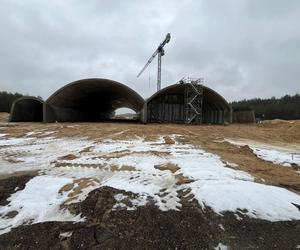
(209, 95)
(97, 90)
(91, 99)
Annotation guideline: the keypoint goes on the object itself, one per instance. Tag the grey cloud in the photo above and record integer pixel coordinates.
(244, 49)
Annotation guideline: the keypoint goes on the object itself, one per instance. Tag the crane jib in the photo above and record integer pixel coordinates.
(160, 51)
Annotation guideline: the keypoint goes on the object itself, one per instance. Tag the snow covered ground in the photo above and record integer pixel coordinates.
(284, 156)
(220, 246)
(69, 168)
(40, 201)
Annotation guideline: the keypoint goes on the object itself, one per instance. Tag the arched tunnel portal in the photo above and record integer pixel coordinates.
(27, 109)
(169, 106)
(90, 100)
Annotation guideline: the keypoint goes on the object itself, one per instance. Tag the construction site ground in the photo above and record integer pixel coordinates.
(148, 227)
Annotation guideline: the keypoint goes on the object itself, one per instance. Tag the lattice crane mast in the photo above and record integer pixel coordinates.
(160, 52)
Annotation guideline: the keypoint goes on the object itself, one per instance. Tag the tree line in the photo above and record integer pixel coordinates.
(286, 107)
(6, 100)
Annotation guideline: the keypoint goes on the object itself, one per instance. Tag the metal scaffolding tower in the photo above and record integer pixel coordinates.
(193, 100)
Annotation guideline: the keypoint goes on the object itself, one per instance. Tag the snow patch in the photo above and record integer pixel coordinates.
(65, 234)
(211, 182)
(39, 201)
(220, 246)
(236, 190)
(278, 155)
(222, 227)
(249, 198)
(31, 133)
(36, 153)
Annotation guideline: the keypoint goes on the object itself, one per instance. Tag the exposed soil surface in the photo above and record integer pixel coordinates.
(150, 228)
(278, 133)
(4, 117)
(147, 227)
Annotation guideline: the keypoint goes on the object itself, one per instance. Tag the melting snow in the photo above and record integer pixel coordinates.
(261, 201)
(31, 133)
(210, 181)
(65, 234)
(39, 201)
(32, 153)
(278, 155)
(220, 246)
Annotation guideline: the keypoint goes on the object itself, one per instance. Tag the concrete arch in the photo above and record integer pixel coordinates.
(168, 105)
(27, 109)
(89, 100)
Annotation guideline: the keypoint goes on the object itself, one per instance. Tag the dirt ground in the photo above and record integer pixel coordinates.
(207, 137)
(148, 227)
(4, 117)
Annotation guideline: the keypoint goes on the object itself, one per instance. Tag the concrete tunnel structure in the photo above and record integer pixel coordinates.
(26, 109)
(169, 106)
(90, 100)
(96, 99)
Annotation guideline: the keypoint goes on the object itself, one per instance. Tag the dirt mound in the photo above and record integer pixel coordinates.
(279, 121)
(290, 125)
(4, 117)
(150, 228)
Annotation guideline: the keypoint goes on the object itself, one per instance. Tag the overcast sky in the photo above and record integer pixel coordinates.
(243, 48)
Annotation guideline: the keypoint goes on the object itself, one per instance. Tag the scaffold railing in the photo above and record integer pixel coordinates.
(193, 99)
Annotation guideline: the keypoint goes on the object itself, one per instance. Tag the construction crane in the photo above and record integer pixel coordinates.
(160, 52)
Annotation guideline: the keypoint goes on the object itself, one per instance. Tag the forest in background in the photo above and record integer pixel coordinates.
(6, 100)
(286, 107)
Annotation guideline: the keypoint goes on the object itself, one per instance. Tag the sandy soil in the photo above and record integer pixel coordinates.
(4, 117)
(278, 133)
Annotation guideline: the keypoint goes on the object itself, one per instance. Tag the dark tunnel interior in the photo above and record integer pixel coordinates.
(90, 100)
(28, 109)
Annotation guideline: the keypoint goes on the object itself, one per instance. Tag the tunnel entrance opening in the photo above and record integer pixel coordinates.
(90, 100)
(125, 114)
(173, 104)
(27, 109)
